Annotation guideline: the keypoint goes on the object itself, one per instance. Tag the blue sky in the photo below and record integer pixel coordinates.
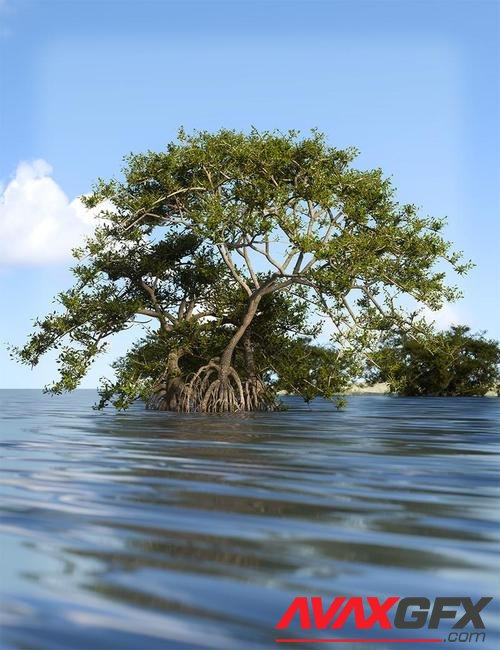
(414, 85)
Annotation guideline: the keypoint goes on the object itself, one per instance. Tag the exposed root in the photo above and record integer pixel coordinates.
(257, 398)
(220, 390)
(167, 396)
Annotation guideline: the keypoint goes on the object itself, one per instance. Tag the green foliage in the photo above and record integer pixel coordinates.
(232, 249)
(312, 371)
(451, 363)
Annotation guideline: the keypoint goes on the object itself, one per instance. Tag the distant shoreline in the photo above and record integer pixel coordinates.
(383, 389)
(363, 389)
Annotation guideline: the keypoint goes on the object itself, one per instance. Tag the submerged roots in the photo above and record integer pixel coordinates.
(212, 390)
(220, 390)
(167, 396)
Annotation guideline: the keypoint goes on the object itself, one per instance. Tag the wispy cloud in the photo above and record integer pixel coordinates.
(38, 223)
(446, 316)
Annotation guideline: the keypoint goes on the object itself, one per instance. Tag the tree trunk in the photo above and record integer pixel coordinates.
(227, 355)
(249, 356)
(217, 387)
(257, 397)
(167, 394)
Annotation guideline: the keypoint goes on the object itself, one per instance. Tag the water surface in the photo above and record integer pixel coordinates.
(153, 530)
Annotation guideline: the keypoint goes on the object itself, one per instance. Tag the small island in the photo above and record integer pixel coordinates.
(230, 253)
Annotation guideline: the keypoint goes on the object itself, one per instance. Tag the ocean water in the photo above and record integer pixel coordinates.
(156, 530)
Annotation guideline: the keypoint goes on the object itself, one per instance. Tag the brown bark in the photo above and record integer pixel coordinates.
(167, 395)
(227, 355)
(249, 355)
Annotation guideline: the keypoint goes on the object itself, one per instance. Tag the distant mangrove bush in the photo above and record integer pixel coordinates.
(449, 363)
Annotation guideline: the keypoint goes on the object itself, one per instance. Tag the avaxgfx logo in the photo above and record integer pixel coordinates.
(390, 616)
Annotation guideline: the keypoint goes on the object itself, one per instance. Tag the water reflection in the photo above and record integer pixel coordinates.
(157, 530)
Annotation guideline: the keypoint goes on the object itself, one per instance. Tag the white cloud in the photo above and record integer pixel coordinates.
(38, 223)
(445, 317)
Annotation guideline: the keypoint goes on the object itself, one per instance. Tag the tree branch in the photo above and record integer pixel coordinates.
(248, 262)
(230, 264)
(162, 316)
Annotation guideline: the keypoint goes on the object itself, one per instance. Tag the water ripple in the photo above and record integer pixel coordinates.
(165, 531)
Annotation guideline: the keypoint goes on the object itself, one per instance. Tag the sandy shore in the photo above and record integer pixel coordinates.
(376, 389)
(382, 389)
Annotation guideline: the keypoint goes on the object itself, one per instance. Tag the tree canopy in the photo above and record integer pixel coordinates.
(230, 251)
(450, 363)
